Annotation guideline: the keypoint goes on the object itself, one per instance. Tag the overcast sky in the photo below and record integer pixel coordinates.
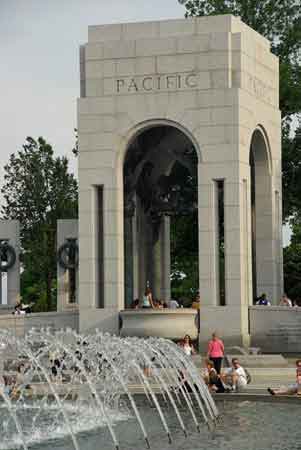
(39, 76)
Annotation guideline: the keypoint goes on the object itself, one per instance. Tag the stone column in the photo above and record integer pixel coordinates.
(165, 258)
(238, 255)
(207, 223)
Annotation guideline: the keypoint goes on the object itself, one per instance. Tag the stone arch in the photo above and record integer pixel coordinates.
(162, 144)
(261, 213)
(133, 132)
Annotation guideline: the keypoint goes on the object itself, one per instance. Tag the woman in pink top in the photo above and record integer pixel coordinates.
(216, 352)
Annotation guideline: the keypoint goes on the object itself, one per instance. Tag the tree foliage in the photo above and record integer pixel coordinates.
(38, 190)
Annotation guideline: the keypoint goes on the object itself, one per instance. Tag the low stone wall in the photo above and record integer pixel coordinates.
(21, 324)
(276, 329)
(165, 323)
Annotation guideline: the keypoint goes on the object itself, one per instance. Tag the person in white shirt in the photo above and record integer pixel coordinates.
(285, 301)
(173, 304)
(239, 376)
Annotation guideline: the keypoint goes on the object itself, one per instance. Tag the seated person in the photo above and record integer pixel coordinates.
(292, 389)
(135, 304)
(236, 376)
(262, 300)
(173, 304)
(285, 301)
(212, 379)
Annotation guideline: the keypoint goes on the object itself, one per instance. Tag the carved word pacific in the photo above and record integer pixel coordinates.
(157, 83)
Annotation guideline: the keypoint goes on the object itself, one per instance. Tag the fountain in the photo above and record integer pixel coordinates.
(69, 385)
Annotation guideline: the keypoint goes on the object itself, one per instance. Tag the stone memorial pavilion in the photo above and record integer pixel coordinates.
(196, 101)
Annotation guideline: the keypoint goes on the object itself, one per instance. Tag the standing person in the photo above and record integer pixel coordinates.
(216, 352)
(147, 299)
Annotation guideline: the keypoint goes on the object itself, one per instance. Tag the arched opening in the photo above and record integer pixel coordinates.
(160, 215)
(261, 211)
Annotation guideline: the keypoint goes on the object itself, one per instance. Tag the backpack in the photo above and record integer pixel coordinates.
(248, 375)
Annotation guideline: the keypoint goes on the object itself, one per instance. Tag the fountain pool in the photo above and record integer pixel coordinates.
(101, 392)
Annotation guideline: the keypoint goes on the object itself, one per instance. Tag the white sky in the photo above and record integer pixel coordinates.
(39, 76)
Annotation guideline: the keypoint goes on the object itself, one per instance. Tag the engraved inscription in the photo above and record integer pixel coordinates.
(157, 83)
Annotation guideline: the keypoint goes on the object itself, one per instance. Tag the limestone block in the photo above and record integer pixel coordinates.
(97, 123)
(222, 23)
(97, 141)
(233, 245)
(112, 243)
(145, 65)
(207, 220)
(217, 97)
(152, 47)
(194, 118)
(98, 176)
(87, 246)
(120, 49)
(125, 66)
(87, 270)
(220, 79)
(111, 220)
(167, 64)
(112, 267)
(232, 218)
(140, 30)
(87, 295)
(94, 87)
(105, 33)
(224, 116)
(220, 41)
(104, 105)
(193, 44)
(93, 51)
(234, 268)
(232, 194)
(177, 27)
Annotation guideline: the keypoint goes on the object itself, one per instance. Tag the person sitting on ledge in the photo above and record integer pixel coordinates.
(235, 376)
(173, 304)
(263, 301)
(285, 301)
(292, 389)
(212, 379)
(135, 304)
(147, 299)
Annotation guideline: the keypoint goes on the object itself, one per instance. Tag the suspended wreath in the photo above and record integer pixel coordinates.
(68, 254)
(7, 256)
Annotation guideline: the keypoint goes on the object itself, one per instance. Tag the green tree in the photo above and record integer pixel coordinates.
(292, 264)
(38, 190)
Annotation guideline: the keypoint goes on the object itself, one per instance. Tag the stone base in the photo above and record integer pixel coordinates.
(164, 323)
(105, 319)
(230, 323)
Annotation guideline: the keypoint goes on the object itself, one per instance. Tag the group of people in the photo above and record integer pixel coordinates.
(284, 301)
(22, 308)
(234, 378)
(148, 301)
